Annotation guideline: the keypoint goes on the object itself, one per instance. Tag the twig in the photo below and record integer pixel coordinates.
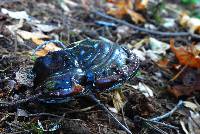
(179, 73)
(168, 114)
(159, 33)
(159, 123)
(156, 128)
(80, 110)
(4, 117)
(194, 121)
(108, 112)
(123, 117)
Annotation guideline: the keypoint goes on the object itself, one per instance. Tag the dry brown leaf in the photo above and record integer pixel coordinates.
(117, 12)
(185, 56)
(50, 47)
(141, 4)
(190, 22)
(125, 7)
(122, 3)
(190, 83)
(28, 35)
(37, 38)
(163, 63)
(183, 91)
(41, 53)
(135, 17)
(37, 41)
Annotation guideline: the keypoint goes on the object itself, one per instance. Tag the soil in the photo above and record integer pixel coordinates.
(80, 115)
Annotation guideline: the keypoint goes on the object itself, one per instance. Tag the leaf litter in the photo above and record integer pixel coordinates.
(169, 68)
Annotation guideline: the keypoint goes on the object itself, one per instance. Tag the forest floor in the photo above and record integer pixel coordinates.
(161, 34)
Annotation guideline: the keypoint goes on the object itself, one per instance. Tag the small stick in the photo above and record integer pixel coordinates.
(179, 73)
(164, 34)
(166, 115)
(108, 112)
(156, 128)
(159, 123)
(122, 111)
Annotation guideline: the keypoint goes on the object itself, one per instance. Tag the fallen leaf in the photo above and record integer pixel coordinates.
(119, 13)
(183, 91)
(38, 39)
(29, 35)
(190, 22)
(163, 63)
(137, 18)
(190, 105)
(16, 15)
(141, 4)
(122, 3)
(157, 46)
(146, 90)
(46, 28)
(15, 27)
(197, 49)
(153, 56)
(185, 56)
(50, 47)
(169, 23)
(157, 49)
(190, 82)
(124, 7)
(118, 99)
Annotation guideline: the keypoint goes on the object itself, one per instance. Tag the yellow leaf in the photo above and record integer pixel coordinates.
(28, 35)
(122, 3)
(118, 99)
(137, 18)
(41, 53)
(119, 13)
(124, 7)
(49, 47)
(190, 22)
(37, 41)
(37, 38)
